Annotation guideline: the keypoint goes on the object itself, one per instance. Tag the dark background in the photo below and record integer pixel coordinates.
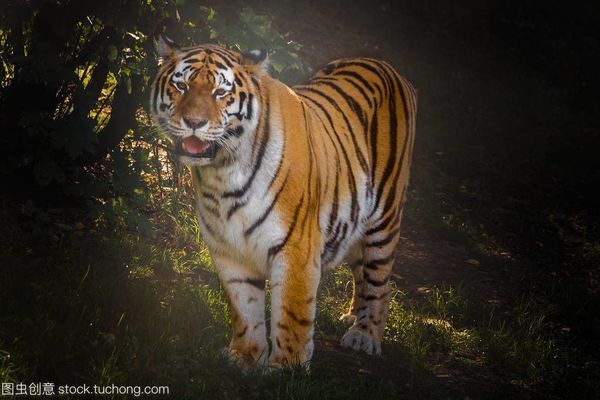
(504, 183)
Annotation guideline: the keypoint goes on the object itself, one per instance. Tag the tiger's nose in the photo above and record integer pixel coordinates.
(194, 123)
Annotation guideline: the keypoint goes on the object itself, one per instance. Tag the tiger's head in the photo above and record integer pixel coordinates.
(205, 98)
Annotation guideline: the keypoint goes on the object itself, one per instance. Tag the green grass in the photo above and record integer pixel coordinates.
(108, 304)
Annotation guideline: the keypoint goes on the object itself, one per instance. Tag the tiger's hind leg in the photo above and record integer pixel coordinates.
(372, 294)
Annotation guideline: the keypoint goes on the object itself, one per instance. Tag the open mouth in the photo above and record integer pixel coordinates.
(196, 148)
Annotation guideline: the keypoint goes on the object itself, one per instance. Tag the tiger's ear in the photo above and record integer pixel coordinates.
(165, 47)
(255, 61)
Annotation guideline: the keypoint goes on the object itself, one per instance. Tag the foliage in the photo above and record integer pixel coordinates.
(74, 82)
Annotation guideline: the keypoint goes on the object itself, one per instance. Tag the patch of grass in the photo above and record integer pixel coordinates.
(524, 344)
(8, 366)
(335, 294)
(109, 305)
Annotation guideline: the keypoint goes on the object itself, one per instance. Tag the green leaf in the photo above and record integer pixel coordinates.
(277, 67)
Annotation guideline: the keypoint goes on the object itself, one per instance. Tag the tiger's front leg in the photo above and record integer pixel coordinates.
(293, 290)
(245, 290)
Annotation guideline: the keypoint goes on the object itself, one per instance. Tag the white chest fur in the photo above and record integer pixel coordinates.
(228, 218)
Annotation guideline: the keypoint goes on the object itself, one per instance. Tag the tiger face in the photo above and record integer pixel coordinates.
(203, 99)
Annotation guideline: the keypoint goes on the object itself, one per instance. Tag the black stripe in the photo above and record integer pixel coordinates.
(309, 181)
(171, 69)
(383, 75)
(312, 206)
(237, 131)
(161, 86)
(384, 224)
(210, 196)
(209, 228)
(374, 264)
(243, 332)
(354, 106)
(357, 110)
(369, 67)
(372, 297)
(249, 107)
(277, 248)
(224, 56)
(391, 162)
(383, 242)
(242, 97)
(373, 143)
(212, 210)
(412, 97)
(358, 76)
(296, 319)
(276, 174)
(219, 65)
(261, 153)
(361, 90)
(194, 52)
(392, 191)
(334, 207)
(194, 75)
(351, 180)
(266, 213)
(376, 282)
(333, 245)
(165, 78)
(334, 143)
(332, 239)
(257, 283)
(236, 206)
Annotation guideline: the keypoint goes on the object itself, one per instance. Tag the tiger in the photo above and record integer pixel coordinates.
(289, 182)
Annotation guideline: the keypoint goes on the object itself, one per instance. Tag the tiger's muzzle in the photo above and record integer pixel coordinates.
(196, 148)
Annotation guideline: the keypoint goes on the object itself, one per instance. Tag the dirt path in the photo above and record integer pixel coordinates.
(426, 260)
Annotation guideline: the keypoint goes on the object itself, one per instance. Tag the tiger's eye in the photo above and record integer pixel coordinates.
(181, 86)
(220, 92)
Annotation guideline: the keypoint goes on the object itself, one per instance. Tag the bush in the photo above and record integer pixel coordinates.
(74, 79)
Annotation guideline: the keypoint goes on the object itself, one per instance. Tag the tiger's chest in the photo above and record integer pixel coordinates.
(235, 216)
(229, 228)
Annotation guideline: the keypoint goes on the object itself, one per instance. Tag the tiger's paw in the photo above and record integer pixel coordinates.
(278, 362)
(277, 366)
(244, 360)
(361, 340)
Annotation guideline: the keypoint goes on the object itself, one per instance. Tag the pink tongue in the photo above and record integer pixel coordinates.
(193, 145)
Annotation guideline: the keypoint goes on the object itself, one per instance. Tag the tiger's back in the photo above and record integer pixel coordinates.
(365, 113)
(289, 181)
